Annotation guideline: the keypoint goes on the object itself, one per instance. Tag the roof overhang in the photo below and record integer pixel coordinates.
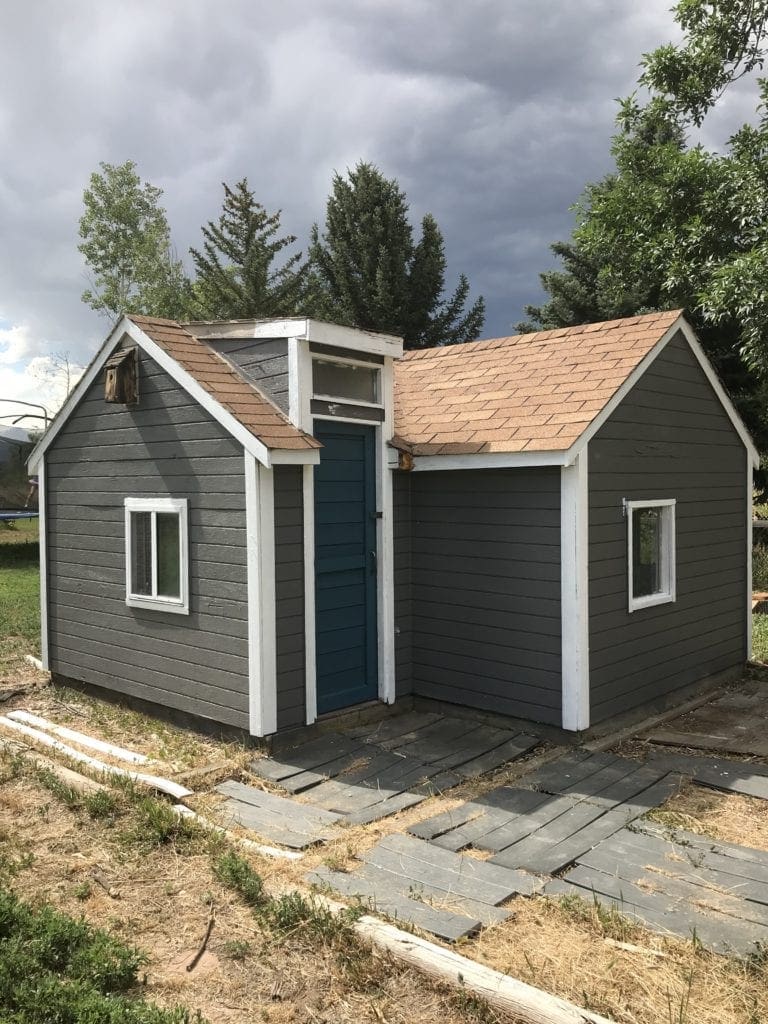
(305, 329)
(125, 328)
(511, 460)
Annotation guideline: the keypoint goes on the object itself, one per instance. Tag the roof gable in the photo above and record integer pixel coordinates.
(530, 396)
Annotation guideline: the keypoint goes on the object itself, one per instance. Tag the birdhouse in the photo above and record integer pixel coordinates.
(121, 382)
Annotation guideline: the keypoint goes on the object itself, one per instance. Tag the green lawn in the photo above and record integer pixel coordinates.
(19, 594)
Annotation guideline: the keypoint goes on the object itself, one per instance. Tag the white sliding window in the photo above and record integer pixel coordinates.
(651, 552)
(157, 554)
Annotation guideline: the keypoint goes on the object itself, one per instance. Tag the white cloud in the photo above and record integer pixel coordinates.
(44, 380)
(17, 343)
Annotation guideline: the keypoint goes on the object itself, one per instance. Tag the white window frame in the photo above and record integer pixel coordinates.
(357, 364)
(179, 506)
(668, 569)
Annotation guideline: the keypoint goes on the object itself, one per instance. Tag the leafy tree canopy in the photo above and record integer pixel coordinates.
(236, 278)
(677, 224)
(127, 247)
(367, 270)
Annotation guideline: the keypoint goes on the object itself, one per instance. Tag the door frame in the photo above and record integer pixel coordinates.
(300, 398)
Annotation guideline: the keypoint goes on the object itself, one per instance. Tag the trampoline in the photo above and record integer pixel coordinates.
(10, 515)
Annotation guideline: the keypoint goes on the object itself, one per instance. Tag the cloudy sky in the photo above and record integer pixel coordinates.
(492, 115)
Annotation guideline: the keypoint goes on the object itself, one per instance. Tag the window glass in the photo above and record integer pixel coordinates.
(646, 551)
(349, 383)
(168, 555)
(141, 552)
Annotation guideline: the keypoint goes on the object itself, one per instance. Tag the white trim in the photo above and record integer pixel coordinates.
(154, 601)
(667, 594)
(268, 601)
(385, 555)
(490, 460)
(42, 491)
(289, 457)
(340, 400)
(228, 421)
(318, 331)
(262, 630)
(310, 654)
(750, 499)
(574, 586)
(354, 338)
(294, 389)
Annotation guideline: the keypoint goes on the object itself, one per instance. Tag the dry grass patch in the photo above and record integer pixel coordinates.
(730, 817)
(568, 948)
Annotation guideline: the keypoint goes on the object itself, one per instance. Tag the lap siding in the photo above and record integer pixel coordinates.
(485, 590)
(165, 446)
(669, 438)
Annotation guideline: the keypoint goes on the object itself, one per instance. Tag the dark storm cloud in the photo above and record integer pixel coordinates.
(493, 115)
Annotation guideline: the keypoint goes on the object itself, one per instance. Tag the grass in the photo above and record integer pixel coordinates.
(56, 968)
(19, 594)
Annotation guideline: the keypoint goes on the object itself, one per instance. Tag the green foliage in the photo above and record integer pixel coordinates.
(677, 225)
(54, 968)
(237, 949)
(126, 242)
(236, 278)
(235, 872)
(101, 804)
(368, 272)
(155, 823)
(19, 596)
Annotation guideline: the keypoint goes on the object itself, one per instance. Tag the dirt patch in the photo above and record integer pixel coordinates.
(727, 816)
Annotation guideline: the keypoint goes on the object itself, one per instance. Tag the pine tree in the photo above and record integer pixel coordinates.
(367, 271)
(236, 278)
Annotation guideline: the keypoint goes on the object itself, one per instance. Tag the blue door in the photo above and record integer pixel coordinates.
(345, 565)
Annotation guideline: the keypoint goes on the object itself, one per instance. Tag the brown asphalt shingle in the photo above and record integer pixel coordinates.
(530, 392)
(211, 371)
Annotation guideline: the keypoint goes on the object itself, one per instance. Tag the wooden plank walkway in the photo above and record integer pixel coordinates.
(369, 772)
(683, 885)
(276, 818)
(578, 801)
(717, 772)
(406, 877)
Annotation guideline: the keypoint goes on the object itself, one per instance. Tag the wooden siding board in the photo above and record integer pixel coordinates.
(289, 597)
(485, 590)
(669, 438)
(164, 446)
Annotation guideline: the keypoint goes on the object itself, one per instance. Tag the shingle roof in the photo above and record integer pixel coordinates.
(530, 392)
(215, 375)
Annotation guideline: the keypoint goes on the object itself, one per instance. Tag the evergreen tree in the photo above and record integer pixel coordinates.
(677, 224)
(126, 242)
(236, 278)
(367, 271)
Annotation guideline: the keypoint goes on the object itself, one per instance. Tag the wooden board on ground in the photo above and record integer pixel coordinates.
(443, 923)
(276, 818)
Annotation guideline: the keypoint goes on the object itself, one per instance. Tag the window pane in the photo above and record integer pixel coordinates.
(168, 562)
(141, 552)
(646, 551)
(350, 383)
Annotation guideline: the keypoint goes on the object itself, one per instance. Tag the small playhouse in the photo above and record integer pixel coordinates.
(258, 523)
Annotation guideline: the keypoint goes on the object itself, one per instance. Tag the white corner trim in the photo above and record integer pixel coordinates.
(154, 602)
(262, 631)
(574, 583)
(750, 499)
(294, 389)
(490, 460)
(668, 592)
(386, 546)
(310, 654)
(42, 494)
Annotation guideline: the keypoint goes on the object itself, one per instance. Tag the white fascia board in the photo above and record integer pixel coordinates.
(490, 460)
(293, 457)
(260, 562)
(77, 393)
(322, 333)
(681, 324)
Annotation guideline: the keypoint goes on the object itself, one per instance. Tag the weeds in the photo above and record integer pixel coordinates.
(608, 920)
(237, 949)
(157, 824)
(236, 873)
(474, 1008)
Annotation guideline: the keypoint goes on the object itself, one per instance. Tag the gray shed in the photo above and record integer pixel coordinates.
(258, 523)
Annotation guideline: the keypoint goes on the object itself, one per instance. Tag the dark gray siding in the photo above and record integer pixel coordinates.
(289, 588)
(670, 438)
(265, 363)
(401, 498)
(166, 446)
(485, 564)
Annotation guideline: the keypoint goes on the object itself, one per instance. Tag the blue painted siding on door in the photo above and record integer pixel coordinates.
(345, 565)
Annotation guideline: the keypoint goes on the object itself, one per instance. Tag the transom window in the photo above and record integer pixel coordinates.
(345, 382)
(651, 552)
(157, 556)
